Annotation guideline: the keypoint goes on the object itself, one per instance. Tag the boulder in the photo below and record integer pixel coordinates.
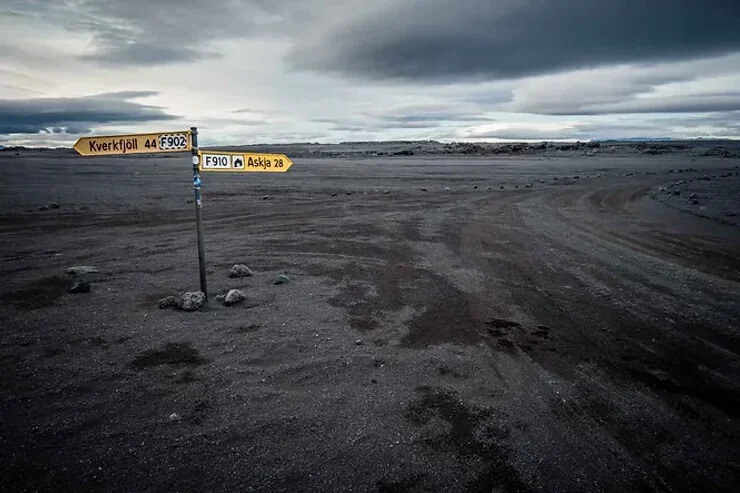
(82, 270)
(281, 279)
(167, 302)
(233, 297)
(191, 301)
(240, 270)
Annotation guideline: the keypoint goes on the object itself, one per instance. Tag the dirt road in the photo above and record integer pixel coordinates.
(451, 324)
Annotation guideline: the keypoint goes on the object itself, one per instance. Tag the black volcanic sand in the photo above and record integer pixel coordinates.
(573, 335)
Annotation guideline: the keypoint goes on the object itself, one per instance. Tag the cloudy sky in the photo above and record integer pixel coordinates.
(252, 71)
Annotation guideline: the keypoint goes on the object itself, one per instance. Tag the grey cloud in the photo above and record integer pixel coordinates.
(76, 115)
(146, 32)
(705, 85)
(694, 103)
(710, 125)
(510, 38)
(405, 117)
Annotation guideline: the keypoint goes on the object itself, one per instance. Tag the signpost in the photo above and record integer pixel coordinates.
(241, 162)
(134, 144)
(186, 140)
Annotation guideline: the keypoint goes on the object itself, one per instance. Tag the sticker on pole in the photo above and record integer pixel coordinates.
(134, 144)
(238, 162)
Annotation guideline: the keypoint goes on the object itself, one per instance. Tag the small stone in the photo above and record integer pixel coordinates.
(82, 270)
(676, 192)
(423, 189)
(54, 206)
(475, 187)
(281, 279)
(528, 185)
(334, 194)
(175, 417)
(373, 380)
(695, 201)
(358, 342)
(240, 270)
(386, 192)
(80, 287)
(220, 298)
(347, 193)
(693, 196)
(731, 214)
(489, 188)
(576, 177)
(191, 301)
(233, 297)
(266, 197)
(447, 189)
(43, 208)
(167, 302)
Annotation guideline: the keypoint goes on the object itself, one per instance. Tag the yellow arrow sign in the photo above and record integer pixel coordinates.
(134, 144)
(241, 162)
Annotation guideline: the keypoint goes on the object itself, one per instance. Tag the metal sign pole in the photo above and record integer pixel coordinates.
(198, 207)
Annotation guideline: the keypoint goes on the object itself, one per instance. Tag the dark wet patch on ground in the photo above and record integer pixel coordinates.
(171, 354)
(38, 294)
(470, 433)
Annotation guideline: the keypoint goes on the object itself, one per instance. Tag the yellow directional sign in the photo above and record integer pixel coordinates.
(134, 144)
(242, 162)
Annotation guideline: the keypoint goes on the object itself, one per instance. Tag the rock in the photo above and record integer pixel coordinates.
(54, 206)
(475, 187)
(240, 270)
(266, 197)
(693, 196)
(695, 201)
(528, 185)
(281, 279)
(233, 297)
(358, 342)
(347, 193)
(220, 298)
(489, 188)
(373, 380)
(174, 417)
(731, 214)
(334, 194)
(576, 177)
(167, 302)
(82, 270)
(423, 189)
(554, 178)
(447, 189)
(43, 208)
(386, 192)
(80, 287)
(191, 301)
(676, 192)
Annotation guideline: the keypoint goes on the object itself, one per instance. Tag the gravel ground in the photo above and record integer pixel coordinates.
(477, 324)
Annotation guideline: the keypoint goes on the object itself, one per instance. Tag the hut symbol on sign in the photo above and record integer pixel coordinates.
(238, 162)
